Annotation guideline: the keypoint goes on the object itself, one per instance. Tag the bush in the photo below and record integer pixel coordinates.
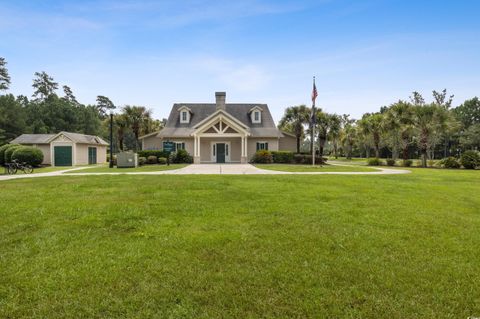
(263, 157)
(147, 153)
(450, 162)
(282, 157)
(142, 160)
(407, 163)
(390, 162)
(374, 162)
(3, 148)
(430, 163)
(181, 156)
(162, 160)
(307, 159)
(29, 155)
(470, 159)
(9, 152)
(152, 159)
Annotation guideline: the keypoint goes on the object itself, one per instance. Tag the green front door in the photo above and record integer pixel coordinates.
(92, 155)
(63, 155)
(220, 153)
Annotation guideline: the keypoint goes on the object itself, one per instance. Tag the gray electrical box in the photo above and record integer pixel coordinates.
(127, 159)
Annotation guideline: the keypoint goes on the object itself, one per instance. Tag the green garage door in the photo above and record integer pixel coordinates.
(63, 155)
(92, 155)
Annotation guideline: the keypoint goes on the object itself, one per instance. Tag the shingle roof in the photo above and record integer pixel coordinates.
(201, 111)
(45, 138)
(33, 139)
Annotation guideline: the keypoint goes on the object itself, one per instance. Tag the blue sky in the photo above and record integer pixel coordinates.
(365, 54)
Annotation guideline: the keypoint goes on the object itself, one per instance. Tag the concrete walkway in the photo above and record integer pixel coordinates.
(209, 169)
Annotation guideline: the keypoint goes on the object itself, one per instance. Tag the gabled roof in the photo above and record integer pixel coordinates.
(201, 111)
(47, 138)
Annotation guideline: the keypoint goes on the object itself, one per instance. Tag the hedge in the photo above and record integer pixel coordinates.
(29, 155)
(9, 151)
(181, 156)
(3, 148)
(470, 159)
(282, 157)
(307, 159)
(262, 157)
(157, 153)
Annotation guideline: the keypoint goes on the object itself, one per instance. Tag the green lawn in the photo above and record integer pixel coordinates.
(258, 246)
(44, 169)
(317, 168)
(145, 168)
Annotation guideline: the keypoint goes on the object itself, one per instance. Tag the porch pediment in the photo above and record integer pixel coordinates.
(221, 123)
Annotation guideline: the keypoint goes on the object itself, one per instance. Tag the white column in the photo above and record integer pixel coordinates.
(246, 147)
(243, 146)
(198, 147)
(194, 145)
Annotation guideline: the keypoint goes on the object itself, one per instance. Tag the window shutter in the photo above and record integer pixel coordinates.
(258, 146)
(266, 146)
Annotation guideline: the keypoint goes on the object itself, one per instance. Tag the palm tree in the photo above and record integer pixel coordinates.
(372, 124)
(121, 124)
(294, 120)
(334, 134)
(398, 122)
(348, 138)
(136, 116)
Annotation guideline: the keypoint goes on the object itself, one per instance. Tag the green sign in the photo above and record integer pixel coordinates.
(169, 146)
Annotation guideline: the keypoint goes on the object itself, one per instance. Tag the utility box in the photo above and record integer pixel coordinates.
(127, 159)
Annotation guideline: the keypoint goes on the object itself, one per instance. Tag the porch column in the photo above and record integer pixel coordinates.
(196, 148)
(244, 158)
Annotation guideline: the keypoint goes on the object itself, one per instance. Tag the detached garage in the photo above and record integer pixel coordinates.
(67, 149)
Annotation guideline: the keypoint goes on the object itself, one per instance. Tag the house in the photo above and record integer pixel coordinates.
(220, 132)
(67, 149)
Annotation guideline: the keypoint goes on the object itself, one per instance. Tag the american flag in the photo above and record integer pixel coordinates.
(313, 116)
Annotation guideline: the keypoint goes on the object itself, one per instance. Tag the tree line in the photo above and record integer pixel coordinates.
(404, 129)
(47, 112)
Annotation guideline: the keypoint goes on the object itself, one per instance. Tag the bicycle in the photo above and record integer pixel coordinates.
(14, 166)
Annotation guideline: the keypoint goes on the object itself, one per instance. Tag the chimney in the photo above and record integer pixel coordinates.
(220, 100)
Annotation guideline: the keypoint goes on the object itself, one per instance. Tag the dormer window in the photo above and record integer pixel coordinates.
(256, 115)
(184, 115)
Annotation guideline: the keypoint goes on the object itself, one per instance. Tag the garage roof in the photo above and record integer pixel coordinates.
(47, 138)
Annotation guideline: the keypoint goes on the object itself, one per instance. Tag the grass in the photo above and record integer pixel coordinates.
(144, 168)
(44, 169)
(317, 168)
(323, 246)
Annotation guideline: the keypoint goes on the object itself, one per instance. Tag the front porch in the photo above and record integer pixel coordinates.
(220, 139)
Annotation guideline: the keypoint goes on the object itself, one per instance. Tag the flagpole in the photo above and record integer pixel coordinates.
(313, 127)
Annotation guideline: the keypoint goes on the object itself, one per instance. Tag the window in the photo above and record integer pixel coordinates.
(262, 146)
(256, 117)
(179, 146)
(226, 149)
(184, 117)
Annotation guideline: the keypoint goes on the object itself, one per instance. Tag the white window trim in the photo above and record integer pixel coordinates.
(261, 142)
(213, 158)
(187, 117)
(259, 117)
(179, 142)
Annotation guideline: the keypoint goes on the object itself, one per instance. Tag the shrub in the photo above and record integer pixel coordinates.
(152, 159)
(9, 151)
(374, 162)
(162, 160)
(262, 157)
(147, 153)
(282, 157)
(390, 162)
(2, 152)
(407, 163)
(470, 159)
(142, 160)
(307, 159)
(29, 155)
(430, 163)
(181, 156)
(450, 162)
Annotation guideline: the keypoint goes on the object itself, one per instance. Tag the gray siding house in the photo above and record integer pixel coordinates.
(220, 132)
